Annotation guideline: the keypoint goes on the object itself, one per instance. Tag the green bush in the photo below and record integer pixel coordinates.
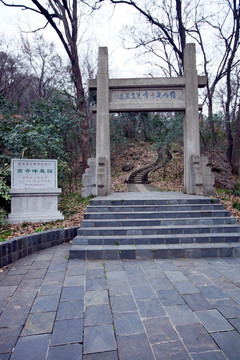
(237, 186)
(5, 183)
(50, 128)
(236, 205)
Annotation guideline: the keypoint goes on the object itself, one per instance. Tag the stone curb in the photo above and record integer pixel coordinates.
(16, 248)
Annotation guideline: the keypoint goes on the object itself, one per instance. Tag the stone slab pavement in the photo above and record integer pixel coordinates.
(53, 308)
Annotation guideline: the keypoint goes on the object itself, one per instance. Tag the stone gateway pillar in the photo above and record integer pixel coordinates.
(103, 170)
(191, 120)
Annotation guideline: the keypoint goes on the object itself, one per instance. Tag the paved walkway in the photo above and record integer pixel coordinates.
(58, 309)
(148, 192)
(140, 188)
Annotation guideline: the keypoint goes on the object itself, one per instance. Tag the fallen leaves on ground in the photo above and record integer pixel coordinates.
(228, 201)
(138, 154)
(170, 176)
(31, 228)
(72, 220)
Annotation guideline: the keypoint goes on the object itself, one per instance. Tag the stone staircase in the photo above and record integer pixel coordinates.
(141, 176)
(156, 228)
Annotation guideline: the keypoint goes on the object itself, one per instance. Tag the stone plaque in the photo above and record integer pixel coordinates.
(33, 173)
(147, 99)
(146, 95)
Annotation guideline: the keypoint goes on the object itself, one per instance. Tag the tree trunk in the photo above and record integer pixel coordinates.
(227, 114)
(236, 146)
(182, 33)
(235, 44)
(210, 113)
(211, 123)
(82, 108)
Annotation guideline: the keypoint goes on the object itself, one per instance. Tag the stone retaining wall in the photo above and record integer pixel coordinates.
(16, 248)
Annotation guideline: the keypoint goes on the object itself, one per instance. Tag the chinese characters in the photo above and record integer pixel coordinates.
(146, 95)
(34, 174)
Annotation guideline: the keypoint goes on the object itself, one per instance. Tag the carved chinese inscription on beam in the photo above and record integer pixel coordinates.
(143, 99)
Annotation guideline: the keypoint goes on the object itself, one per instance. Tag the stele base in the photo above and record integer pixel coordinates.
(34, 205)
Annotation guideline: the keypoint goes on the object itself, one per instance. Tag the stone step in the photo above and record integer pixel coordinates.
(88, 223)
(111, 252)
(197, 238)
(195, 200)
(154, 230)
(156, 214)
(157, 227)
(154, 208)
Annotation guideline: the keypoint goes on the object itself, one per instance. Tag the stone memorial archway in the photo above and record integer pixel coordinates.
(151, 94)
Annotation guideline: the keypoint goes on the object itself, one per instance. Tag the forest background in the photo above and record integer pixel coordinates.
(45, 106)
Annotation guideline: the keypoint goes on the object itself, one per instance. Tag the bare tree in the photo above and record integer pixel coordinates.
(225, 27)
(166, 29)
(62, 16)
(8, 74)
(29, 70)
(43, 63)
(14, 81)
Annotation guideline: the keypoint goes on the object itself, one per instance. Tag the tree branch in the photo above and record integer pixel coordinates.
(153, 21)
(23, 7)
(36, 30)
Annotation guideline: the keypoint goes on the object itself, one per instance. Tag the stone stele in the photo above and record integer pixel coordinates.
(34, 192)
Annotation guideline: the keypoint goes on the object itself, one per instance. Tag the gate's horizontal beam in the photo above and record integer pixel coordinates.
(147, 82)
(113, 108)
